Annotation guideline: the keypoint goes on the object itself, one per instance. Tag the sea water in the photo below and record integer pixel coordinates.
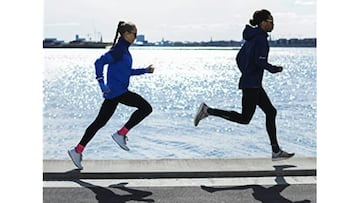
(183, 78)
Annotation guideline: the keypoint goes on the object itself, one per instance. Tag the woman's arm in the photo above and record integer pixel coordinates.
(140, 71)
(99, 70)
(261, 55)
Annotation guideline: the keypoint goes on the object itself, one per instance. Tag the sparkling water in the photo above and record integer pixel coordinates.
(183, 78)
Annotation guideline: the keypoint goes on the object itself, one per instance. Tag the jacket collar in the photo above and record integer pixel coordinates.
(123, 42)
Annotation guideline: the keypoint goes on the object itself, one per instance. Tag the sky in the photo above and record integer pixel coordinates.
(175, 20)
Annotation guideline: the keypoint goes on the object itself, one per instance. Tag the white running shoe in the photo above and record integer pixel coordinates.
(281, 155)
(120, 140)
(201, 113)
(76, 158)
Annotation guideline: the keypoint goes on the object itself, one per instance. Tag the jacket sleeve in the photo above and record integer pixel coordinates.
(100, 63)
(261, 55)
(139, 71)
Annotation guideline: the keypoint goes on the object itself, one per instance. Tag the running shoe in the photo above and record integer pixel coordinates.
(120, 140)
(281, 155)
(201, 113)
(76, 158)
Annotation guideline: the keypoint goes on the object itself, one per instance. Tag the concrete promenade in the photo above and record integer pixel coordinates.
(178, 168)
(181, 180)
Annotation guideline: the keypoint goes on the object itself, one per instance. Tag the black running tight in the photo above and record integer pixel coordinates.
(108, 108)
(250, 99)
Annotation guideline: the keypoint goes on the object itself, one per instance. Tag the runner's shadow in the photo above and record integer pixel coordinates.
(105, 195)
(263, 194)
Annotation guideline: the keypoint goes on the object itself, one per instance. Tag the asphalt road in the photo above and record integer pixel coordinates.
(283, 193)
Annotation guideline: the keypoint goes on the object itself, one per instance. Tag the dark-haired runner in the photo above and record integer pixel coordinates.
(115, 90)
(252, 60)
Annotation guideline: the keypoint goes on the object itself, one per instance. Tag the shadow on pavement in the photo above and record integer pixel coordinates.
(106, 195)
(263, 194)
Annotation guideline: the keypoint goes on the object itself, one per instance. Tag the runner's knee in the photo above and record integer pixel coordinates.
(245, 121)
(147, 109)
(272, 112)
(244, 118)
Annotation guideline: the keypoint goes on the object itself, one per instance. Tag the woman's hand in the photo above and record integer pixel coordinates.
(151, 68)
(104, 88)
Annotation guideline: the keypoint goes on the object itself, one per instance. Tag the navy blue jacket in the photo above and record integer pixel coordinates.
(119, 69)
(252, 58)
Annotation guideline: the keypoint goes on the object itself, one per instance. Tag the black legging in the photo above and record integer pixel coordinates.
(108, 108)
(252, 97)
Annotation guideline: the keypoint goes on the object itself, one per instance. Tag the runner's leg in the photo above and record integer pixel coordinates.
(106, 111)
(249, 101)
(143, 108)
(270, 112)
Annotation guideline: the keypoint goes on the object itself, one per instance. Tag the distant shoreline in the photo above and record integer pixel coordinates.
(78, 45)
(85, 46)
(310, 42)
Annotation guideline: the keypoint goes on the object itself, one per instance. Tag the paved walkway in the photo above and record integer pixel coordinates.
(181, 180)
(178, 168)
(121, 192)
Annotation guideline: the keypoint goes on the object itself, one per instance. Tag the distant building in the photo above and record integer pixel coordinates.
(52, 41)
(140, 38)
(140, 41)
(78, 39)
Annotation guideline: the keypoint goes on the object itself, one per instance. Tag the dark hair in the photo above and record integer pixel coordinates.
(122, 28)
(259, 16)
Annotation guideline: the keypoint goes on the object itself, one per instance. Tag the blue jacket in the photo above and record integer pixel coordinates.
(119, 69)
(252, 58)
